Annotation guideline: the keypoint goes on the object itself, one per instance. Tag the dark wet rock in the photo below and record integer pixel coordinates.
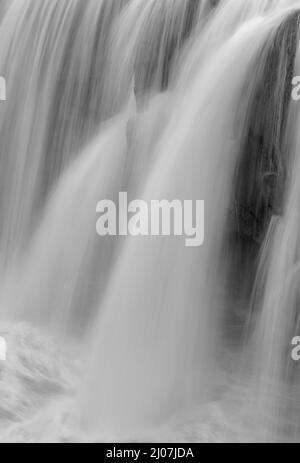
(261, 172)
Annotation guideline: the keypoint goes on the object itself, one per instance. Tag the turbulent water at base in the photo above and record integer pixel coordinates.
(136, 338)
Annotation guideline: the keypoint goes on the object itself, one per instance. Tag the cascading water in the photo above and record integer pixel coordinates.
(276, 295)
(132, 336)
(82, 264)
(150, 335)
(54, 102)
(147, 39)
(262, 165)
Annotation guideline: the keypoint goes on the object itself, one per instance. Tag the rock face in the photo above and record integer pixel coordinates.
(258, 193)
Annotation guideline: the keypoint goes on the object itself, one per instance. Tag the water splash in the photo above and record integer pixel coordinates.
(164, 103)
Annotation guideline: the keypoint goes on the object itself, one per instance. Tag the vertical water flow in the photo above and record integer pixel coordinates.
(261, 170)
(147, 39)
(4, 4)
(66, 265)
(154, 341)
(54, 100)
(277, 293)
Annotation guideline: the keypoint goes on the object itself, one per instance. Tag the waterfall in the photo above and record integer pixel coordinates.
(53, 103)
(152, 334)
(275, 296)
(146, 42)
(173, 102)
